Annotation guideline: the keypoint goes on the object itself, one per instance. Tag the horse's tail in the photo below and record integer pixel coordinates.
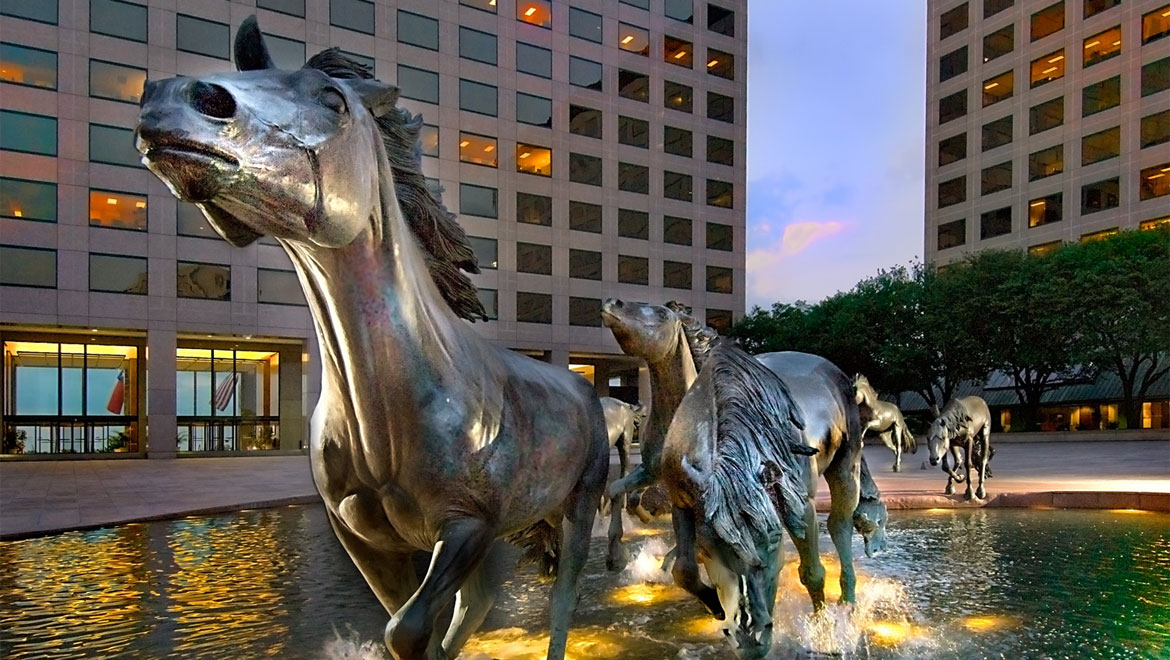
(541, 544)
(909, 442)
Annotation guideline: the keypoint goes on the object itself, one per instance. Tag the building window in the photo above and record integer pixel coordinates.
(952, 234)
(720, 193)
(534, 110)
(422, 31)
(676, 185)
(114, 18)
(677, 141)
(1093, 237)
(533, 307)
(1103, 46)
(1101, 96)
(952, 22)
(676, 275)
(227, 399)
(633, 270)
(584, 73)
(998, 88)
(28, 200)
(634, 132)
(952, 64)
(952, 149)
(585, 169)
(1042, 249)
(290, 7)
(995, 223)
(1100, 196)
(585, 25)
(117, 274)
(478, 149)
(1046, 162)
(679, 10)
(533, 209)
(117, 210)
(677, 96)
(997, 133)
(1101, 146)
(952, 191)
(640, 4)
(720, 20)
(535, 12)
(1156, 24)
(678, 52)
(720, 237)
(720, 64)
(676, 231)
(996, 178)
(993, 7)
(363, 60)
(1048, 21)
(1155, 224)
(490, 299)
(1093, 7)
(1046, 115)
(585, 312)
(22, 266)
(1046, 210)
(478, 46)
(720, 107)
(533, 159)
(287, 54)
(585, 217)
(356, 15)
(1155, 129)
(633, 224)
(634, 178)
(205, 281)
(32, 67)
(585, 264)
(634, 85)
(42, 12)
(479, 200)
(719, 320)
(1047, 68)
(533, 60)
(113, 145)
(533, 258)
(719, 279)
(999, 43)
(428, 140)
(27, 133)
(477, 97)
(720, 150)
(1155, 181)
(418, 84)
(585, 121)
(486, 252)
(1155, 76)
(633, 39)
(952, 107)
(202, 37)
(190, 221)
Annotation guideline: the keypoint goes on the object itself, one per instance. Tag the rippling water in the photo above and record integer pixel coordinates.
(955, 584)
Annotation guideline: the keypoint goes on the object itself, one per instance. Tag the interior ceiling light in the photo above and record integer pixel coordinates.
(712, 63)
(111, 200)
(994, 84)
(526, 154)
(628, 39)
(680, 54)
(1049, 70)
(530, 11)
(489, 147)
(1056, 59)
(1093, 43)
(1039, 203)
(464, 143)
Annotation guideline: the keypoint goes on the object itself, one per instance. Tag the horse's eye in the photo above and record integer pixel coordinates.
(661, 313)
(334, 100)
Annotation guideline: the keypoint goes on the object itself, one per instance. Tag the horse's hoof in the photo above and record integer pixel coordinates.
(981, 494)
(949, 490)
(897, 468)
(617, 560)
(968, 496)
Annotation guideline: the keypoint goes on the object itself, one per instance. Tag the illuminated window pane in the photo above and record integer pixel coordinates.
(478, 97)
(719, 279)
(479, 200)
(533, 209)
(998, 88)
(633, 224)
(1048, 21)
(112, 17)
(1155, 129)
(1100, 196)
(1045, 116)
(428, 138)
(678, 96)
(676, 185)
(478, 149)
(585, 121)
(1043, 248)
(634, 178)
(1155, 181)
(536, 12)
(677, 141)
(633, 270)
(1046, 210)
(28, 133)
(585, 73)
(1103, 46)
(676, 231)
(533, 159)
(421, 31)
(995, 223)
(585, 24)
(1095, 236)
(952, 64)
(993, 7)
(996, 178)
(1156, 24)
(356, 15)
(585, 311)
(720, 107)
(952, 149)
(952, 21)
(207, 281)
(952, 234)
(1101, 96)
(1156, 76)
(21, 266)
(952, 107)
(721, 20)
(678, 52)
(633, 39)
(585, 169)
(999, 43)
(486, 252)
(22, 65)
(117, 274)
(533, 258)
(202, 37)
(634, 132)
(28, 200)
(418, 84)
(720, 193)
(676, 275)
(1046, 162)
(1047, 68)
(720, 64)
(1101, 146)
(634, 85)
(585, 217)
(117, 210)
(1155, 223)
(478, 46)
(533, 307)
(533, 60)
(585, 264)
(952, 191)
(534, 110)
(720, 237)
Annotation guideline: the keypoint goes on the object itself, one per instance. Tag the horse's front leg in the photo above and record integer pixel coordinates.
(617, 557)
(896, 445)
(686, 567)
(970, 494)
(984, 461)
(812, 571)
(950, 489)
(459, 552)
(844, 479)
(476, 597)
(390, 575)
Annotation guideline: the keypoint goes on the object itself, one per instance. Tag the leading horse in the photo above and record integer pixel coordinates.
(426, 436)
(963, 426)
(885, 419)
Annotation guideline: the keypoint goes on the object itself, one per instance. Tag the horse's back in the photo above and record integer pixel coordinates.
(977, 409)
(821, 390)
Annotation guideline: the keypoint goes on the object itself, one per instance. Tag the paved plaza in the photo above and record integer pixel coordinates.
(47, 496)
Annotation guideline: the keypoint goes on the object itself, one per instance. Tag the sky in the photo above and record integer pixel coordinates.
(836, 131)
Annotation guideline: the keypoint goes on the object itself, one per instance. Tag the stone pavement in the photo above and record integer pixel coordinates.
(48, 496)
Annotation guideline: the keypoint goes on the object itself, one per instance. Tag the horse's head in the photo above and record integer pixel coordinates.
(651, 332)
(938, 439)
(293, 154)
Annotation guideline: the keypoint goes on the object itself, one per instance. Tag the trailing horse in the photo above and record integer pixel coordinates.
(426, 436)
(885, 419)
(963, 426)
(622, 421)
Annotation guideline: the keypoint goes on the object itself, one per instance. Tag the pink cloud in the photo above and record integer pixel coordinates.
(799, 235)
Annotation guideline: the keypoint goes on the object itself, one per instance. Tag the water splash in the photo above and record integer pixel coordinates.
(352, 647)
(646, 566)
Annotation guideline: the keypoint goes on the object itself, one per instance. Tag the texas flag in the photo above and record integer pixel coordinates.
(118, 395)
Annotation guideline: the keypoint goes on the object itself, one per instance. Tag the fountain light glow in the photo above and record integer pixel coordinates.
(893, 633)
(644, 594)
(988, 623)
(586, 643)
(1128, 511)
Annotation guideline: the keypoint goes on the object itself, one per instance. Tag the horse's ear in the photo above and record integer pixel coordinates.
(934, 410)
(251, 53)
(377, 96)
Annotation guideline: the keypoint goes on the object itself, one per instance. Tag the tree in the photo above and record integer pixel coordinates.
(1122, 316)
(782, 328)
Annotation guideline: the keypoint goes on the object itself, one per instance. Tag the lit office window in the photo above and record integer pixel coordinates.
(536, 12)
(1048, 68)
(28, 200)
(1154, 181)
(1102, 46)
(478, 149)
(1094, 7)
(1046, 210)
(998, 88)
(678, 52)
(1156, 24)
(534, 159)
(1048, 21)
(633, 39)
(720, 64)
(32, 67)
(117, 210)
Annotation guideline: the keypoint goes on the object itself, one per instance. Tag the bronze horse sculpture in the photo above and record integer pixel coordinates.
(622, 421)
(885, 419)
(426, 436)
(963, 427)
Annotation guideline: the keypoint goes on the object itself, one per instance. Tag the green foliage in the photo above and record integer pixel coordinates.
(14, 441)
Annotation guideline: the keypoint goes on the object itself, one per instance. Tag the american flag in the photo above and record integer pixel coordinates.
(225, 391)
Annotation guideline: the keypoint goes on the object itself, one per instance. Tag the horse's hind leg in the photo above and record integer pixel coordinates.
(686, 567)
(616, 557)
(970, 493)
(812, 572)
(896, 445)
(844, 476)
(984, 459)
(475, 598)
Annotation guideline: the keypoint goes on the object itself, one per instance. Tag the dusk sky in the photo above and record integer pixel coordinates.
(836, 126)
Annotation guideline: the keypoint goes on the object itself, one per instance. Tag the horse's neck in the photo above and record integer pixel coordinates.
(669, 381)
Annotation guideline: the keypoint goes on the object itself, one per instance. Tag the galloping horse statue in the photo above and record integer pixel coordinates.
(964, 424)
(426, 436)
(885, 419)
(622, 421)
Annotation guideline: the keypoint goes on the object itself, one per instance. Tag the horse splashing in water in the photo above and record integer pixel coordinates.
(885, 419)
(426, 436)
(962, 430)
(622, 421)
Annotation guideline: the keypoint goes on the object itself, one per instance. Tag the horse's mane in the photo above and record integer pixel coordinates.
(865, 392)
(443, 241)
(756, 481)
(700, 337)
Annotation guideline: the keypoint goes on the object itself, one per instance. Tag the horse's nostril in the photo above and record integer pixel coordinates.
(212, 100)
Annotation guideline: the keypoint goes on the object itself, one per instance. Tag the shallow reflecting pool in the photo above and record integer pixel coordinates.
(275, 583)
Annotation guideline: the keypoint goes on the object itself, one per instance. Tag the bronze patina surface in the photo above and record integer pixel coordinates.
(884, 418)
(963, 430)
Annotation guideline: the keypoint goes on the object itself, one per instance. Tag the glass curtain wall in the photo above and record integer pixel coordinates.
(227, 399)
